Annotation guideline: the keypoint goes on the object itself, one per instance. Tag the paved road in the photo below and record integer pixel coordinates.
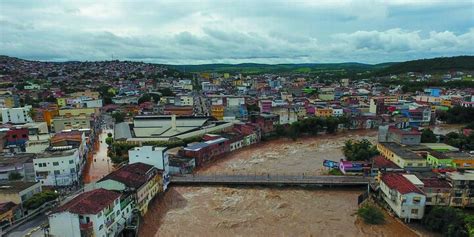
(30, 227)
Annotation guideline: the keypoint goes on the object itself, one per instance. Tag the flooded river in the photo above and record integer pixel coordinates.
(225, 211)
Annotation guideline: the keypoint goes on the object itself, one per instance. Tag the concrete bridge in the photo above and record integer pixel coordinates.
(269, 179)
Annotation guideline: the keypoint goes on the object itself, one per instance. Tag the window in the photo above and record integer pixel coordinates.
(57, 172)
(55, 163)
(73, 170)
(71, 162)
(428, 199)
(414, 211)
(416, 200)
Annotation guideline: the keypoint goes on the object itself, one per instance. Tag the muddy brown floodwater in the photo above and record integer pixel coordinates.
(225, 211)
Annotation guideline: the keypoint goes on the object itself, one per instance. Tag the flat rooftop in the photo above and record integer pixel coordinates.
(15, 186)
(401, 151)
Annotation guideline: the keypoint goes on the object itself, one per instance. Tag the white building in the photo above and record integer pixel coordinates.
(99, 212)
(58, 167)
(152, 155)
(403, 197)
(184, 100)
(337, 112)
(16, 115)
(92, 103)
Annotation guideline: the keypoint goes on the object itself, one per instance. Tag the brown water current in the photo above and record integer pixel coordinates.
(226, 211)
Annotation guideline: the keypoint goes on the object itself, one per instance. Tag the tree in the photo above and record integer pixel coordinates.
(371, 214)
(118, 117)
(39, 199)
(109, 140)
(359, 150)
(166, 92)
(447, 220)
(14, 176)
(427, 136)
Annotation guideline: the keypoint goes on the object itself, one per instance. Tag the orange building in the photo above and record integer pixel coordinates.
(323, 112)
(217, 111)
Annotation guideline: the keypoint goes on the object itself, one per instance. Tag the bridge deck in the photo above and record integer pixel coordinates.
(270, 179)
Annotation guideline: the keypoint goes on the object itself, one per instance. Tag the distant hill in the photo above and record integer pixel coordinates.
(255, 68)
(430, 65)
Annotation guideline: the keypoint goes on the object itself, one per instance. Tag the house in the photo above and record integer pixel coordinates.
(462, 184)
(402, 196)
(9, 212)
(401, 156)
(18, 191)
(21, 163)
(99, 212)
(141, 180)
(323, 112)
(461, 160)
(403, 136)
(437, 191)
(154, 156)
(381, 164)
(439, 160)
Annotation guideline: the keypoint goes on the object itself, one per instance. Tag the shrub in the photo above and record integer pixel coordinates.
(371, 214)
(335, 172)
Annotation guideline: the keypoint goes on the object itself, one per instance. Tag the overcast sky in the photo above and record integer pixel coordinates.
(261, 31)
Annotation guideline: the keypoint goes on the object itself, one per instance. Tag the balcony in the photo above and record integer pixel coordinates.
(124, 203)
(86, 226)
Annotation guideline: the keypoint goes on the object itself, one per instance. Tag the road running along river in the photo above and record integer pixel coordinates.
(224, 211)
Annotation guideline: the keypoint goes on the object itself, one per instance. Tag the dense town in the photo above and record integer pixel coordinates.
(148, 123)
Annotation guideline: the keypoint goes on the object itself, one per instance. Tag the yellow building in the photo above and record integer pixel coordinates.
(323, 112)
(461, 160)
(7, 102)
(217, 111)
(446, 102)
(226, 75)
(400, 155)
(7, 212)
(87, 93)
(77, 111)
(61, 102)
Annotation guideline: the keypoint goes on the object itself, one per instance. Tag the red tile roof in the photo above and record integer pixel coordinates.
(132, 175)
(381, 162)
(7, 206)
(401, 184)
(435, 183)
(91, 202)
(67, 136)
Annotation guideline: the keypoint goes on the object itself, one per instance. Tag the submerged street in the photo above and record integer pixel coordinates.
(259, 211)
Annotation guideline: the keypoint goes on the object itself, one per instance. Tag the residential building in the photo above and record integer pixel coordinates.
(323, 112)
(99, 212)
(402, 196)
(462, 193)
(154, 156)
(18, 115)
(18, 191)
(143, 181)
(21, 163)
(401, 156)
(60, 166)
(73, 122)
(437, 191)
(9, 212)
(203, 152)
